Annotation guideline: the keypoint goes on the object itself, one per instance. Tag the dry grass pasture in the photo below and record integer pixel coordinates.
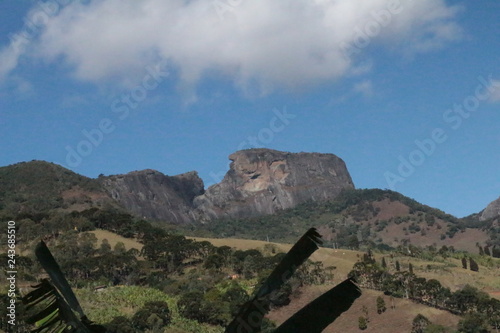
(395, 320)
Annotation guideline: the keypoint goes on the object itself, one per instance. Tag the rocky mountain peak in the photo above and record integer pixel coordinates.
(262, 181)
(491, 211)
(153, 195)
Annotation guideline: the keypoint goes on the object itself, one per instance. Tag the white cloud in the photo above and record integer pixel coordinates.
(258, 43)
(9, 57)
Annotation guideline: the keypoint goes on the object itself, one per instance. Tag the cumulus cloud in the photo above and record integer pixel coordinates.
(256, 43)
(9, 59)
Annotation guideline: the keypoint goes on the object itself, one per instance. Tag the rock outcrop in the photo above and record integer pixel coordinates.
(152, 195)
(262, 181)
(491, 211)
(259, 182)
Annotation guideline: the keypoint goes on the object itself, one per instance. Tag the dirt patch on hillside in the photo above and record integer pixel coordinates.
(395, 320)
(390, 209)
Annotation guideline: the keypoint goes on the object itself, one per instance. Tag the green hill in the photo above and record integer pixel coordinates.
(39, 187)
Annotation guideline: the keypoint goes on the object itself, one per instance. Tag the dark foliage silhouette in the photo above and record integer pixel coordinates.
(330, 305)
(56, 306)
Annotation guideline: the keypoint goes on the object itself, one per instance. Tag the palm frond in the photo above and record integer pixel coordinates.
(317, 315)
(50, 265)
(297, 255)
(252, 312)
(51, 312)
(55, 306)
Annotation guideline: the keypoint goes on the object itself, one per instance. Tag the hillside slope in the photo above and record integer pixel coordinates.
(251, 202)
(38, 186)
(259, 182)
(361, 217)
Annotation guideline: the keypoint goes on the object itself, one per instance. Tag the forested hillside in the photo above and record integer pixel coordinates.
(371, 217)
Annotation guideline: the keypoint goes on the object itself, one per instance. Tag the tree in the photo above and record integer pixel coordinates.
(63, 312)
(120, 324)
(190, 305)
(468, 299)
(384, 264)
(487, 251)
(495, 252)
(362, 323)
(380, 305)
(86, 243)
(154, 315)
(473, 265)
(419, 324)
(353, 242)
(398, 267)
(473, 323)
(434, 291)
(119, 248)
(235, 295)
(105, 248)
(215, 310)
(464, 263)
(214, 261)
(410, 268)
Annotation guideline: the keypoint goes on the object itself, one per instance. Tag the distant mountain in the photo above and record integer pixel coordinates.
(265, 194)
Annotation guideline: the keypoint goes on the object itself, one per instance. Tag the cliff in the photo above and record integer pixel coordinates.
(259, 182)
(152, 195)
(262, 181)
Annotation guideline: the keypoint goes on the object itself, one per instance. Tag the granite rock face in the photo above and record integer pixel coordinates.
(152, 195)
(262, 181)
(491, 211)
(259, 182)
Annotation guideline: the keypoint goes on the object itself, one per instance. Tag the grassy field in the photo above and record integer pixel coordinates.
(103, 306)
(449, 272)
(114, 238)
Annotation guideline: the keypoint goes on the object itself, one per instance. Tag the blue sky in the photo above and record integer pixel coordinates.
(406, 93)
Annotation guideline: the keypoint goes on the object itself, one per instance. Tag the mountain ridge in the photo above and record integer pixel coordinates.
(265, 191)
